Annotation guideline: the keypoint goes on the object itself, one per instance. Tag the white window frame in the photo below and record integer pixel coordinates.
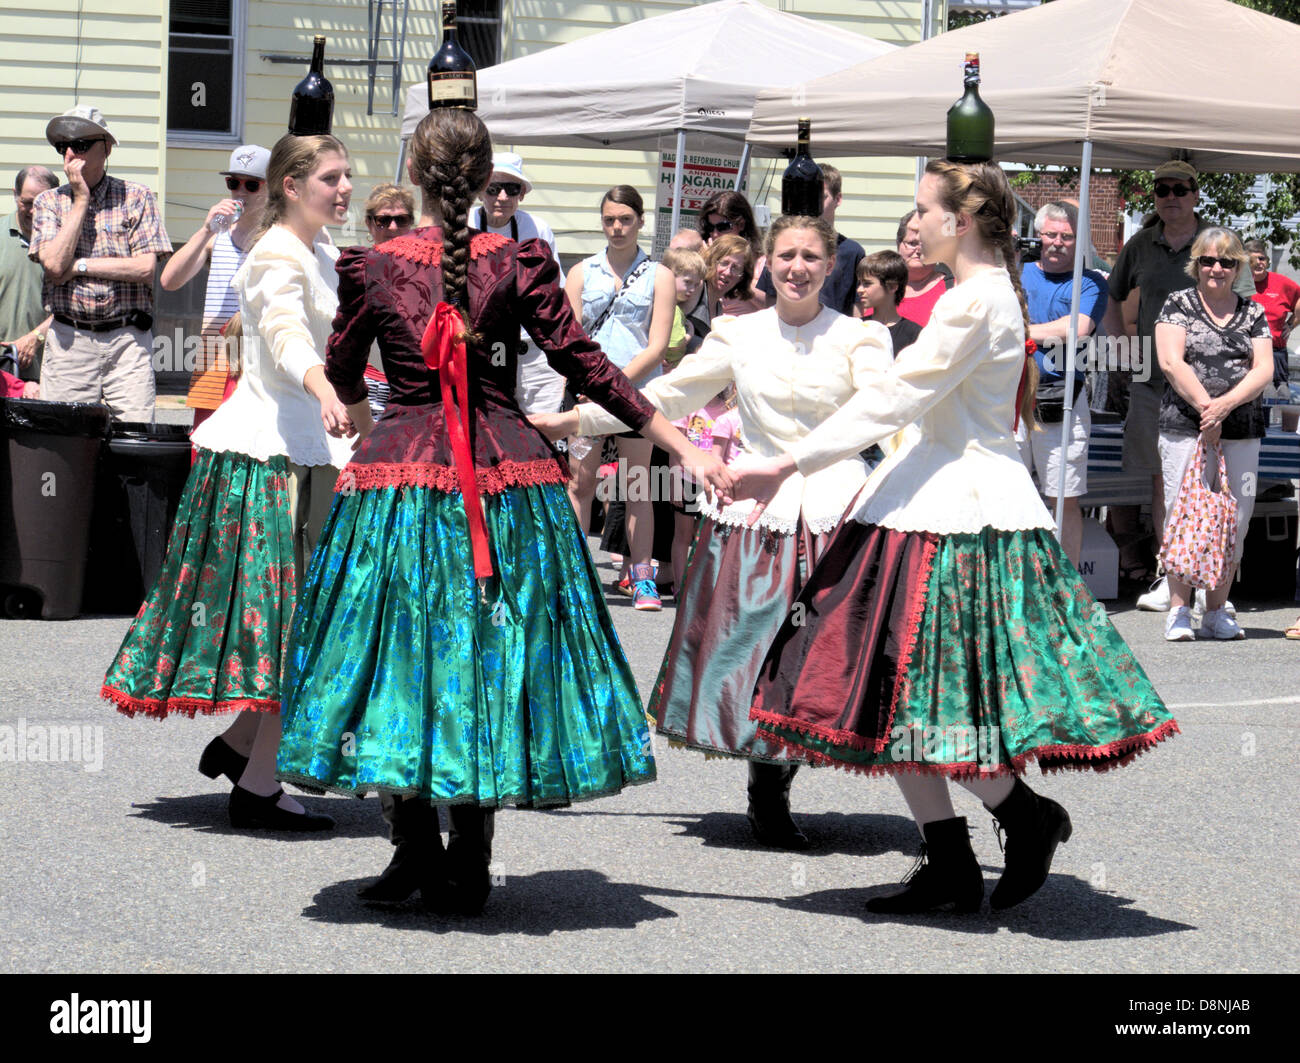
(196, 139)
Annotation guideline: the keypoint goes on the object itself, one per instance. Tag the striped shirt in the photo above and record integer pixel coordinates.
(220, 304)
(121, 222)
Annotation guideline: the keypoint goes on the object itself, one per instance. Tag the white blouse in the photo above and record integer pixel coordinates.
(950, 396)
(788, 380)
(287, 300)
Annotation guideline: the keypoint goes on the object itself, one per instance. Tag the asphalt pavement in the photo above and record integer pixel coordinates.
(1183, 861)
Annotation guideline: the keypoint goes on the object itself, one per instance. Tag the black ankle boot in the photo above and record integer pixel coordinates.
(945, 873)
(1035, 825)
(219, 759)
(418, 858)
(469, 857)
(251, 811)
(769, 806)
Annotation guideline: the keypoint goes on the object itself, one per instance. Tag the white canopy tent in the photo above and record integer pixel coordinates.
(1123, 83)
(691, 72)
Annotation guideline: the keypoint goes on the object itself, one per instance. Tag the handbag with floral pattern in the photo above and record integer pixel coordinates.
(1202, 530)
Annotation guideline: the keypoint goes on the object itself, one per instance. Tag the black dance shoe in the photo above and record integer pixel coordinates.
(469, 856)
(1035, 826)
(248, 811)
(419, 862)
(769, 806)
(219, 759)
(946, 873)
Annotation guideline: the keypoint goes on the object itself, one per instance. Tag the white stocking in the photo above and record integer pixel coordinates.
(991, 791)
(927, 798)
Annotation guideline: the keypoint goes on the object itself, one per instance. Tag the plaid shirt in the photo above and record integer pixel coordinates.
(122, 221)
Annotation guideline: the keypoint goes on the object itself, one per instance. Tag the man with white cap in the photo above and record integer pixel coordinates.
(222, 243)
(98, 239)
(539, 389)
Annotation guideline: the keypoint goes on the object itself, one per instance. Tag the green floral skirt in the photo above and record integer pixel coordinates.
(407, 676)
(210, 635)
(961, 655)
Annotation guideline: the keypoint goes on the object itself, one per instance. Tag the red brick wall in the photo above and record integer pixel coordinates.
(1106, 216)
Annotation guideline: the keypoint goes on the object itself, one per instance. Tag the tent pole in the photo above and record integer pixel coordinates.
(744, 161)
(1082, 241)
(677, 181)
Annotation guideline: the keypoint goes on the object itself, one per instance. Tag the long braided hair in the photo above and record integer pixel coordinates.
(981, 190)
(452, 157)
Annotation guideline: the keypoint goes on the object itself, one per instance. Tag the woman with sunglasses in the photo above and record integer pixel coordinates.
(222, 244)
(390, 212)
(1217, 356)
(729, 214)
(211, 636)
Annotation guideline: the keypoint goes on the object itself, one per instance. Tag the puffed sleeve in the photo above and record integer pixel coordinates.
(889, 395)
(275, 286)
(545, 314)
(348, 348)
(697, 378)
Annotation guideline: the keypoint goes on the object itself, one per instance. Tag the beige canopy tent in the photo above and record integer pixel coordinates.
(1124, 83)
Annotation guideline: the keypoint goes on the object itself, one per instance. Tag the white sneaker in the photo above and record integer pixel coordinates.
(1198, 607)
(1178, 625)
(1156, 600)
(1217, 624)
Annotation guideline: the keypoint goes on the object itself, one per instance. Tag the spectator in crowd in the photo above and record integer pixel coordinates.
(925, 281)
(23, 320)
(221, 244)
(540, 388)
(688, 270)
(625, 302)
(839, 291)
(729, 214)
(729, 278)
(687, 240)
(98, 239)
(1153, 264)
(881, 279)
(1048, 285)
(1216, 354)
(1280, 298)
(390, 213)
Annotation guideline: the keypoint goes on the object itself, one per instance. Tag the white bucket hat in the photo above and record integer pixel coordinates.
(248, 160)
(85, 121)
(507, 162)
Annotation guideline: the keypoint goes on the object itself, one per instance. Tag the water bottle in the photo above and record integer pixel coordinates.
(222, 222)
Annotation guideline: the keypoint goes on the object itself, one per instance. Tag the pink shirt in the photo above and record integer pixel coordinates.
(1278, 296)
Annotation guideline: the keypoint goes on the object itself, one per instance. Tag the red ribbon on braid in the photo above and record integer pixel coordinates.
(1030, 348)
(443, 347)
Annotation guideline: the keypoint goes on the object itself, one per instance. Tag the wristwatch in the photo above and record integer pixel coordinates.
(81, 266)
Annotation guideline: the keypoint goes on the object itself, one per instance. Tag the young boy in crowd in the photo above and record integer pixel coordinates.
(882, 279)
(691, 321)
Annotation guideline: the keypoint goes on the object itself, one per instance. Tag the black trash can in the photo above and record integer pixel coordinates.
(48, 453)
(142, 474)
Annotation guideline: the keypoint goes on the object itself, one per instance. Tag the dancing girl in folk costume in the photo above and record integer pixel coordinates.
(793, 365)
(943, 633)
(453, 645)
(210, 636)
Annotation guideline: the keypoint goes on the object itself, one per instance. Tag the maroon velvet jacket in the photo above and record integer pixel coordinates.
(388, 293)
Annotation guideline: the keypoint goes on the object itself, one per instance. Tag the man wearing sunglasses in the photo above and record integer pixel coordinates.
(98, 239)
(222, 244)
(1150, 266)
(538, 389)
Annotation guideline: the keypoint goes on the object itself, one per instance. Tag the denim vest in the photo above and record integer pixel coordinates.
(625, 332)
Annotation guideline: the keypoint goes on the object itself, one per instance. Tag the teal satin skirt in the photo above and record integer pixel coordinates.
(406, 676)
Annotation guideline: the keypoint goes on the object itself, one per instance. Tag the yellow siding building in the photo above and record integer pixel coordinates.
(159, 68)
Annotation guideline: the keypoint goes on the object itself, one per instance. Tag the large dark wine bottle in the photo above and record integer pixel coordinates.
(452, 78)
(312, 110)
(970, 122)
(801, 184)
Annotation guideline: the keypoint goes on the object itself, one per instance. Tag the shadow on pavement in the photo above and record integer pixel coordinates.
(1065, 909)
(547, 902)
(208, 813)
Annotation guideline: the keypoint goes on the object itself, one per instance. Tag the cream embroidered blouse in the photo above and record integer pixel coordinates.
(954, 466)
(788, 380)
(287, 300)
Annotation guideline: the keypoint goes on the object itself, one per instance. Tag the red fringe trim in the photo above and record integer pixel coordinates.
(852, 739)
(413, 249)
(368, 476)
(160, 708)
(1050, 758)
(486, 243)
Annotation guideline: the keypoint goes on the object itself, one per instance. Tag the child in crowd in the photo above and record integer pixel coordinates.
(882, 280)
(701, 428)
(691, 321)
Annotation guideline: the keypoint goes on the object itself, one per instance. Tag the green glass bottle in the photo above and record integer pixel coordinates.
(970, 122)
